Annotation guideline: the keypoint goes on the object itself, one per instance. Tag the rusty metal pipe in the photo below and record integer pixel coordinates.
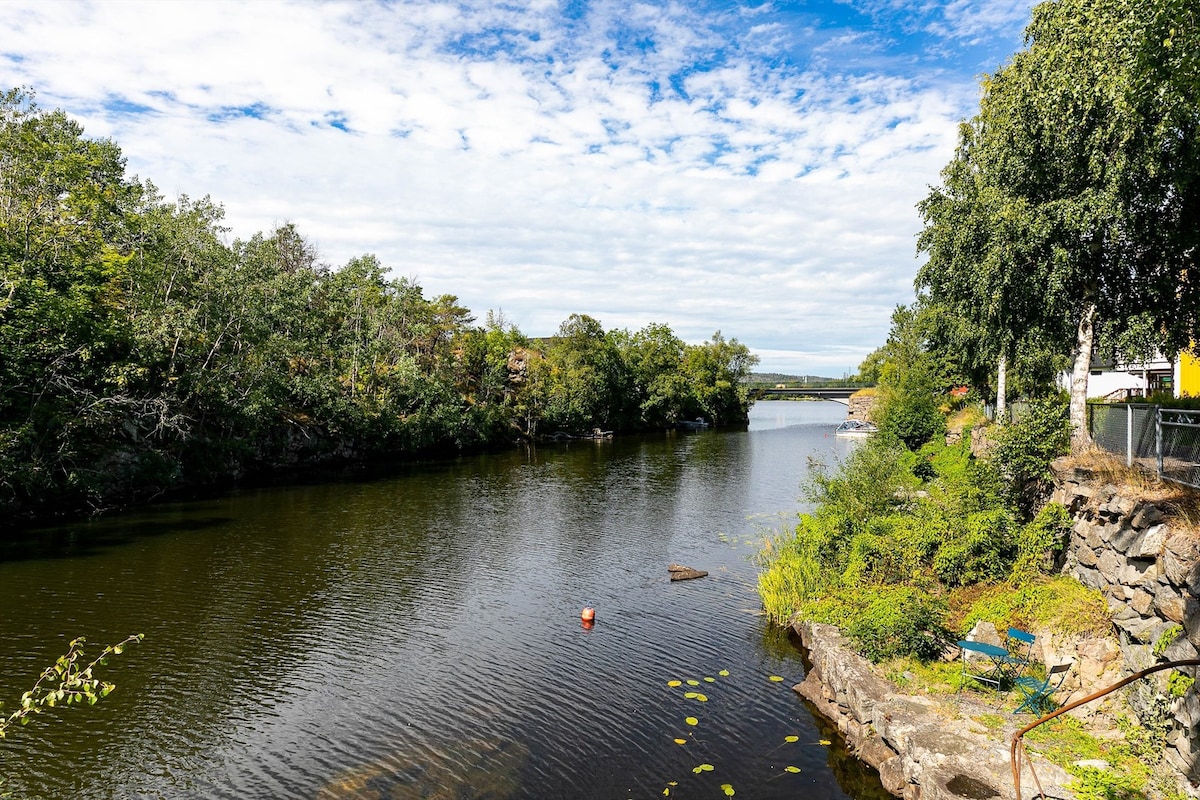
(1017, 745)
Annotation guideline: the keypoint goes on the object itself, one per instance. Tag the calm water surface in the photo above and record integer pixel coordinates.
(418, 635)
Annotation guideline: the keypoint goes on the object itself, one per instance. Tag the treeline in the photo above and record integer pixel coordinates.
(140, 352)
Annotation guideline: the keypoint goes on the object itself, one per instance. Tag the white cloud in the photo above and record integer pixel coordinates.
(526, 162)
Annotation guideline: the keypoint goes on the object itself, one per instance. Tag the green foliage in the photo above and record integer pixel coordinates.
(980, 549)
(1040, 541)
(885, 621)
(1059, 602)
(1164, 641)
(70, 680)
(1178, 683)
(909, 383)
(1023, 450)
(143, 353)
(1092, 783)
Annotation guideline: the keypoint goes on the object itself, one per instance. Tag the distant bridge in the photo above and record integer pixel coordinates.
(838, 394)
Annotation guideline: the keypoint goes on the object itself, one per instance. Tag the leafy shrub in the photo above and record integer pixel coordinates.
(1041, 540)
(891, 621)
(1023, 450)
(912, 417)
(980, 551)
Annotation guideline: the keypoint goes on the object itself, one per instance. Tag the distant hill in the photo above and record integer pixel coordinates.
(773, 378)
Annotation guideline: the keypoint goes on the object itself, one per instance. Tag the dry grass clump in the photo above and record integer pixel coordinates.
(1139, 481)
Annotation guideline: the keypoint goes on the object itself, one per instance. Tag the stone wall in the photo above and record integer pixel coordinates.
(1148, 568)
(860, 404)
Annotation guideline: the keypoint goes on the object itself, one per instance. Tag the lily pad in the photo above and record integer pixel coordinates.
(776, 678)
(697, 683)
(703, 768)
(681, 741)
(792, 769)
(691, 721)
(791, 739)
(724, 673)
(727, 788)
(673, 684)
(690, 695)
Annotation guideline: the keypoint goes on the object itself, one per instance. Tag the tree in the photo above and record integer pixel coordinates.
(716, 371)
(1076, 188)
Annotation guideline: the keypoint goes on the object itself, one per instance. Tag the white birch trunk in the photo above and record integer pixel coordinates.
(1081, 440)
(1002, 389)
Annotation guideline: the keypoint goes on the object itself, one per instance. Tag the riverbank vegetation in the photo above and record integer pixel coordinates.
(1047, 242)
(143, 351)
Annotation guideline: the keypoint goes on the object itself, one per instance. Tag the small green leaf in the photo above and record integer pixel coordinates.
(724, 673)
(792, 769)
(776, 678)
(691, 721)
(693, 683)
(702, 768)
(673, 684)
(727, 788)
(791, 739)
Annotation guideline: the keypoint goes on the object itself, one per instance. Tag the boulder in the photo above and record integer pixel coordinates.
(681, 573)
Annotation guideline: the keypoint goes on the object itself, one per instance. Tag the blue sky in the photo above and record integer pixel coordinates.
(750, 167)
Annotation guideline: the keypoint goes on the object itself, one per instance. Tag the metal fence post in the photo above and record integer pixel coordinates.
(1129, 434)
(1158, 448)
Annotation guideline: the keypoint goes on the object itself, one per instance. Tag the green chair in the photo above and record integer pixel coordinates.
(1037, 691)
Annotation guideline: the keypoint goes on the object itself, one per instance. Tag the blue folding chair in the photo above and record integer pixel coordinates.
(1037, 691)
(1019, 645)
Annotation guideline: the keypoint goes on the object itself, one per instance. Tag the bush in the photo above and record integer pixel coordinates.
(1040, 541)
(911, 417)
(981, 550)
(885, 621)
(1023, 451)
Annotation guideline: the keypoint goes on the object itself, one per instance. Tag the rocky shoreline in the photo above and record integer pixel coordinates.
(924, 748)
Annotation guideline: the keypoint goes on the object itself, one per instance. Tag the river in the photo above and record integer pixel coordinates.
(418, 634)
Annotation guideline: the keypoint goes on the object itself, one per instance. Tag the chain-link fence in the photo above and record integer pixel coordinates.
(1165, 440)
(1179, 446)
(1125, 429)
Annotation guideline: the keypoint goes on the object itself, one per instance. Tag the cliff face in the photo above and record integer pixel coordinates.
(1148, 567)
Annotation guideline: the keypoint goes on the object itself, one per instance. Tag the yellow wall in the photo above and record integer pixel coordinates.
(1189, 375)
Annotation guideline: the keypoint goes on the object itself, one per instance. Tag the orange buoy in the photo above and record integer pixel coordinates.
(588, 615)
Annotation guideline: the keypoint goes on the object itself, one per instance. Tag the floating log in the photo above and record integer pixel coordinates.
(682, 573)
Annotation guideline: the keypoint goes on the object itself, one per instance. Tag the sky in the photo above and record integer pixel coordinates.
(750, 167)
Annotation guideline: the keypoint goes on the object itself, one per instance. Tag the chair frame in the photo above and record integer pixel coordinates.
(1037, 691)
(1019, 654)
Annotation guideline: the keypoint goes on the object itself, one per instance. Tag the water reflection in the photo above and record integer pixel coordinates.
(378, 632)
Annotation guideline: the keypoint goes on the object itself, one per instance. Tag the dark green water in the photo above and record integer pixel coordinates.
(418, 635)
